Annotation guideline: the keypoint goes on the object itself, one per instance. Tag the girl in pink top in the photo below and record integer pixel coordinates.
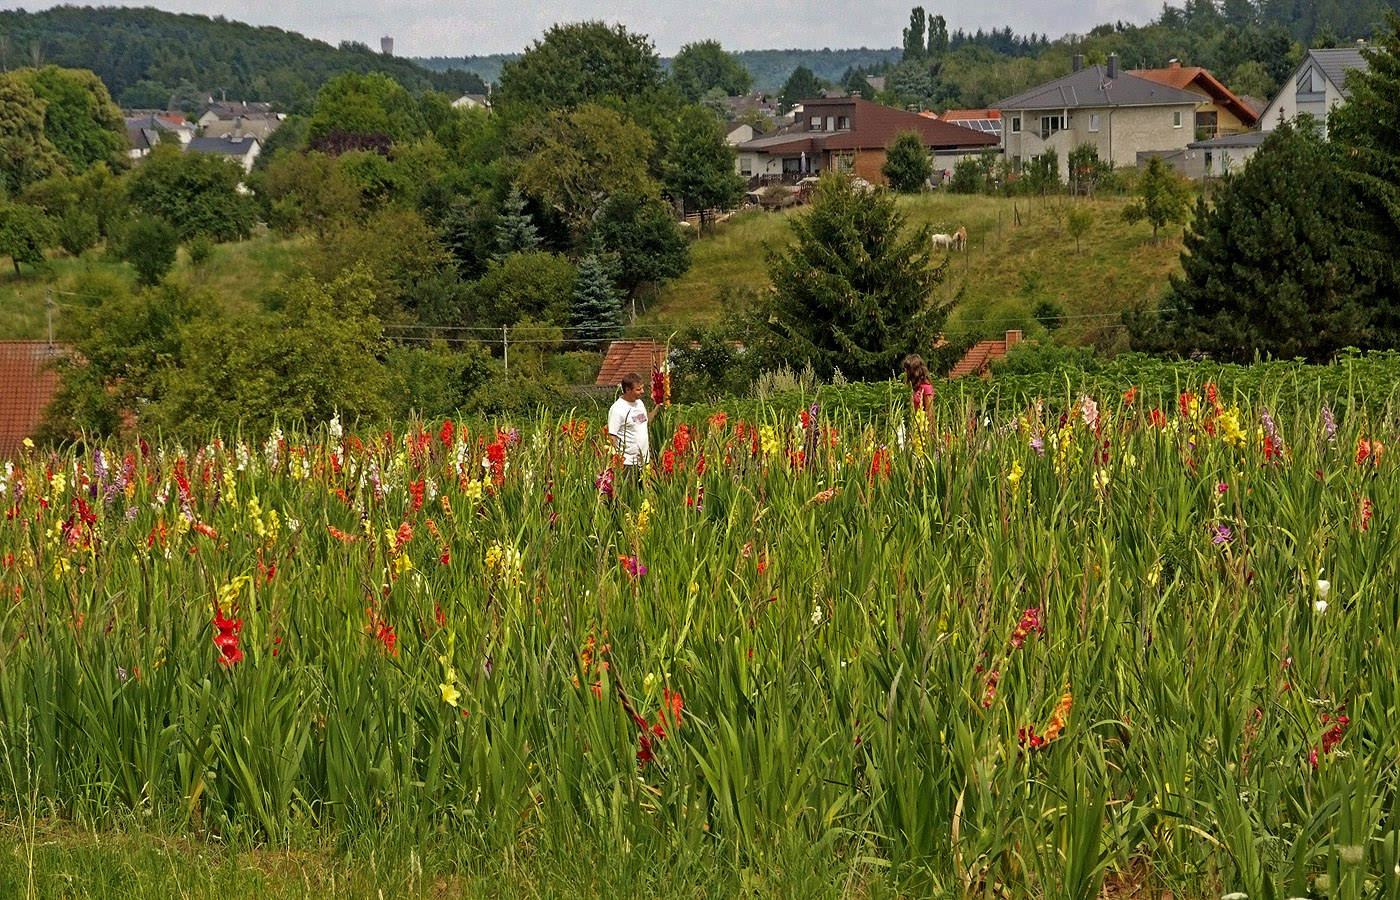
(920, 385)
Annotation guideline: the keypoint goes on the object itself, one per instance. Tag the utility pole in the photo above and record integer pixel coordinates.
(48, 313)
(505, 346)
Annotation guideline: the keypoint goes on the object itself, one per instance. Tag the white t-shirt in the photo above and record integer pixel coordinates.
(627, 423)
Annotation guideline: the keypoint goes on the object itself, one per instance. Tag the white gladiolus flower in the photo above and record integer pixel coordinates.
(1320, 607)
(817, 614)
(1323, 586)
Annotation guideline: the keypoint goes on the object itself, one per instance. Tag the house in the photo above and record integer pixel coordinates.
(624, 357)
(850, 134)
(979, 357)
(142, 140)
(1315, 88)
(146, 128)
(1220, 112)
(876, 82)
(1119, 113)
(739, 134)
(1223, 155)
(239, 120)
(472, 101)
(243, 151)
(30, 385)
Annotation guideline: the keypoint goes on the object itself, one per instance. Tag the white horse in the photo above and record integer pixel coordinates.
(955, 241)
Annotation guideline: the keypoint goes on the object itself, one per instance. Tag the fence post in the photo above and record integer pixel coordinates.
(48, 313)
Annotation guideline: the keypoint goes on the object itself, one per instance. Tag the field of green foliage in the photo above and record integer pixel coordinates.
(1115, 641)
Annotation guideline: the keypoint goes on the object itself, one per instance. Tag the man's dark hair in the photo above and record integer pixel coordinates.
(631, 380)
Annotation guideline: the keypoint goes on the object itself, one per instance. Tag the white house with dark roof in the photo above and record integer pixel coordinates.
(1119, 113)
(1316, 88)
(243, 151)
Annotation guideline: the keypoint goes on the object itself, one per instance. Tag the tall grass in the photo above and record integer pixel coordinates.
(1028, 654)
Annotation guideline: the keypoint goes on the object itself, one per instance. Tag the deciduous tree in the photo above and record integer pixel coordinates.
(907, 166)
(575, 159)
(703, 66)
(578, 63)
(24, 234)
(1162, 197)
(699, 168)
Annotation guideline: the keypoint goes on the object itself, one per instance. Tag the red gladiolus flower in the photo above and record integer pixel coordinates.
(227, 638)
(447, 433)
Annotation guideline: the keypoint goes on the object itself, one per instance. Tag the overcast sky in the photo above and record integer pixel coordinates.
(457, 28)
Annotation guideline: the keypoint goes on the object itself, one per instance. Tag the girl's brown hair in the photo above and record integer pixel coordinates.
(916, 370)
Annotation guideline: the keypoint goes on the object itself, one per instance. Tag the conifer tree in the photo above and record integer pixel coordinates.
(596, 307)
(1267, 269)
(855, 291)
(515, 230)
(1366, 131)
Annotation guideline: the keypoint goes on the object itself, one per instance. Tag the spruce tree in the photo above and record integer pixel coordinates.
(596, 307)
(1267, 269)
(515, 230)
(855, 290)
(1366, 131)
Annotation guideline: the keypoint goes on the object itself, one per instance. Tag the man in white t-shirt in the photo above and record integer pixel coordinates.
(627, 425)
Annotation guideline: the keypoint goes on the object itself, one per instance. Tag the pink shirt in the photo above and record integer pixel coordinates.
(922, 394)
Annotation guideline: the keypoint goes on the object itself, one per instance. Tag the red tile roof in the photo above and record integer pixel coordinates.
(954, 115)
(980, 357)
(29, 383)
(873, 127)
(624, 357)
(1181, 77)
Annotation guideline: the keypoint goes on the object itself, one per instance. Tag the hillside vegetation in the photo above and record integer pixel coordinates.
(146, 56)
(1019, 252)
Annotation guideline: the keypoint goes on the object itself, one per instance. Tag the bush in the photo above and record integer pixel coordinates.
(907, 166)
(576, 367)
(200, 248)
(77, 232)
(968, 176)
(150, 247)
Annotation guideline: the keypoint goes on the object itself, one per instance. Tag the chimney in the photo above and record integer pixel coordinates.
(1078, 60)
(1361, 43)
(1013, 338)
(1112, 65)
(1173, 64)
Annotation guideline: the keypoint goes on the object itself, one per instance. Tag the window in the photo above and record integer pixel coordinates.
(1050, 125)
(830, 123)
(1015, 124)
(746, 166)
(792, 165)
(1015, 163)
(843, 123)
(1093, 121)
(816, 124)
(1208, 161)
(1207, 123)
(843, 162)
(1176, 119)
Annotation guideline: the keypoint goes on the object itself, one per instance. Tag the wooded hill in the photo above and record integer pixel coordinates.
(148, 57)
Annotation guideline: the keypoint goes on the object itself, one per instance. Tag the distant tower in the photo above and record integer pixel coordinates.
(386, 45)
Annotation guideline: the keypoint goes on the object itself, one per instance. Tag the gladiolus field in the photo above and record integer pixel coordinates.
(1111, 645)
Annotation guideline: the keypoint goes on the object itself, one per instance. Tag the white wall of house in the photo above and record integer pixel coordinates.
(1308, 91)
(751, 164)
(1226, 161)
(1119, 133)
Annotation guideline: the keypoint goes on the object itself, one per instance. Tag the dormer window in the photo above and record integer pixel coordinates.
(815, 124)
(843, 123)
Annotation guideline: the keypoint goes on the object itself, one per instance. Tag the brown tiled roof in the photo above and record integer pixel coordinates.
(980, 357)
(630, 356)
(1184, 76)
(29, 383)
(873, 127)
(954, 115)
